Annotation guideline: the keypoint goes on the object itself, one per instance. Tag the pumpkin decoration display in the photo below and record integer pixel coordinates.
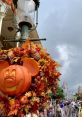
(28, 77)
(16, 79)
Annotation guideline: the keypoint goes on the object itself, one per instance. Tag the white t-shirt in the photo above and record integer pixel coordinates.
(73, 104)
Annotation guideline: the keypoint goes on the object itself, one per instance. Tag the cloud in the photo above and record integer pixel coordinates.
(71, 69)
(63, 58)
(71, 66)
(61, 24)
(64, 23)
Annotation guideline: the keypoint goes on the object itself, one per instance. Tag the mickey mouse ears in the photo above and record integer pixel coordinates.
(31, 65)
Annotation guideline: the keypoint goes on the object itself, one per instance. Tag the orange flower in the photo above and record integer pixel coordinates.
(24, 100)
(41, 86)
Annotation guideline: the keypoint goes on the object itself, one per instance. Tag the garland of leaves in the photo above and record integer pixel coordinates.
(42, 86)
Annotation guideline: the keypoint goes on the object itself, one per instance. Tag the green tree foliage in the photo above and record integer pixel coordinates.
(60, 93)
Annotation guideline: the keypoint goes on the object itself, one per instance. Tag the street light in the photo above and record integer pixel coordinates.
(25, 17)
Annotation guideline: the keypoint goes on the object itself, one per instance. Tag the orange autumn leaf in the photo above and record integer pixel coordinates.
(41, 86)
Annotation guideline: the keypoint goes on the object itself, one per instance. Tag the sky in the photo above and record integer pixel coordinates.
(60, 22)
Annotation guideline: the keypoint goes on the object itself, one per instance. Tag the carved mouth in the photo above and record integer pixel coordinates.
(10, 78)
(11, 85)
(11, 88)
(10, 82)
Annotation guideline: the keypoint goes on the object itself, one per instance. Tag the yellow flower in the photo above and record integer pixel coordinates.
(35, 99)
(1, 105)
(28, 94)
(12, 101)
(42, 62)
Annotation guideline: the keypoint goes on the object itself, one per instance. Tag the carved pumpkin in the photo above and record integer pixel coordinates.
(3, 64)
(16, 79)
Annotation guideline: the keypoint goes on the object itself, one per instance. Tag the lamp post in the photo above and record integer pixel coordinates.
(25, 17)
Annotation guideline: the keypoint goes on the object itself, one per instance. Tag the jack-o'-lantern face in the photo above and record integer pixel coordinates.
(16, 79)
(13, 79)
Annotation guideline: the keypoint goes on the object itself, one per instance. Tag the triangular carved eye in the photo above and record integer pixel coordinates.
(13, 73)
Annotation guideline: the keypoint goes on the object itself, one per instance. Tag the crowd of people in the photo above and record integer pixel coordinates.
(68, 109)
(61, 109)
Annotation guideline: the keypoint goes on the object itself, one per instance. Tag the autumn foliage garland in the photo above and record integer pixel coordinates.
(44, 83)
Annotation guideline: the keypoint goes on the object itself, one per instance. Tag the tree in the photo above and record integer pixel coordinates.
(60, 93)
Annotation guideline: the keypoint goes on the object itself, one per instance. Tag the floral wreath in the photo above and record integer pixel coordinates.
(43, 84)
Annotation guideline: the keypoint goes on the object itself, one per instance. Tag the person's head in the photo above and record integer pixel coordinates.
(81, 105)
